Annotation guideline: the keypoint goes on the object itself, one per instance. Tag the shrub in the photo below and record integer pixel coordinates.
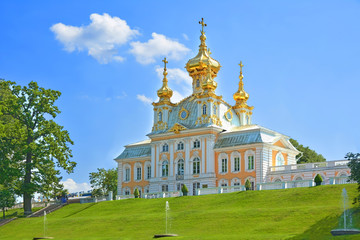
(184, 190)
(318, 180)
(247, 185)
(136, 193)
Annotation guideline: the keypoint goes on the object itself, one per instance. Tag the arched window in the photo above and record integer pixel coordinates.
(127, 174)
(250, 162)
(196, 166)
(279, 159)
(180, 146)
(235, 161)
(204, 109)
(165, 168)
(165, 148)
(180, 167)
(138, 172)
(160, 116)
(214, 109)
(197, 83)
(196, 143)
(224, 165)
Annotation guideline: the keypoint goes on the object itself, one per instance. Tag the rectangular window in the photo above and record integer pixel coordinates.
(196, 167)
(181, 146)
(127, 192)
(197, 144)
(224, 165)
(236, 164)
(165, 188)
(224, 184)
(148, 172)
(138, 173)
(127, 174)
(179, 186)
(250, 162)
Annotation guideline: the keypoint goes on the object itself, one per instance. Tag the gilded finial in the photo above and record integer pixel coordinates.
(241, 96)
(165, 92)
(209, 51)
(165, 72)
(165, 62)
(241, 75)
(202, 25)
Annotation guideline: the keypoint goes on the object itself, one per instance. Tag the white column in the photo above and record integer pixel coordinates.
(203, 155)
(119, 190)
(171, 143)
(187, 156)
(157, 158)
(153, 161)
(210, 161)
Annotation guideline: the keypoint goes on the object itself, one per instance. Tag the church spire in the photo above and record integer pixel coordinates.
(165, 93)
(241, 96)
(241, 108)
(198, 66)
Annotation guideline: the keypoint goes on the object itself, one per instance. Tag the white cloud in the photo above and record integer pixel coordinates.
(177, 77)
(100, 38)
(177, 97)
(144, 99)
(159, 45)
(185, 36)
(73, 187)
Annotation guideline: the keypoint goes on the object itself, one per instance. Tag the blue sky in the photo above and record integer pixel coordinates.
(301, 66)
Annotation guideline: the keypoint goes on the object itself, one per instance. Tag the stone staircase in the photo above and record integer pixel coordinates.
(48, 209)
(5, 221)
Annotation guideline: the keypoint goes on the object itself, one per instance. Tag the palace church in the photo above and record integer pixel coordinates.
(205, 142)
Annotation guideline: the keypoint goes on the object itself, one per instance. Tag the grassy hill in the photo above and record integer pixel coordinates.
(302, 213)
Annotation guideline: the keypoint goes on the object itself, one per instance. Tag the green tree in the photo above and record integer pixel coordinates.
(136, 193)
(308, 155)
(354, 165)
(7, 199)
(42, 141)
(318, 180)
(103, 181)
(247, 185)
(184, 190)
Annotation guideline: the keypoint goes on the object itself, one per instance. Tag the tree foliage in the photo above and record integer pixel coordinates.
(184, 190)
(308, 155)
(318, 179)
(354, 165)
(7, 199)
(136, 193)
(36, 143)
(247, 184)
(103, 181)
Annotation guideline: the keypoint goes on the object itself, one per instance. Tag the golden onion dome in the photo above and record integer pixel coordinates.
(202, 59)
(241, 96)
(209, 84)
(165, 92)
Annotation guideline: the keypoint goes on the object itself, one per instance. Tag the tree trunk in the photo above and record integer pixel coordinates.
(27, 181)
(3, 212)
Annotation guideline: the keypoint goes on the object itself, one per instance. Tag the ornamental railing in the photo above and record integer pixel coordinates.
(309, 166)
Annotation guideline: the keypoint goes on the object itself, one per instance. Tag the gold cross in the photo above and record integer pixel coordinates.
(202, 25)
(165, 62)
(241, 66)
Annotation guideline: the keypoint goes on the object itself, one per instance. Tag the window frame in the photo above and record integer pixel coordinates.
(165, 168)
(182, 162)
(138, 176)
(196, 166)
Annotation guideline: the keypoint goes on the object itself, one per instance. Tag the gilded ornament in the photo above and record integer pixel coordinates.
(183, 113)
(177, 128)
(228, 115)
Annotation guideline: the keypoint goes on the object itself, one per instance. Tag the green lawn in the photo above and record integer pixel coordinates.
(302, 213)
